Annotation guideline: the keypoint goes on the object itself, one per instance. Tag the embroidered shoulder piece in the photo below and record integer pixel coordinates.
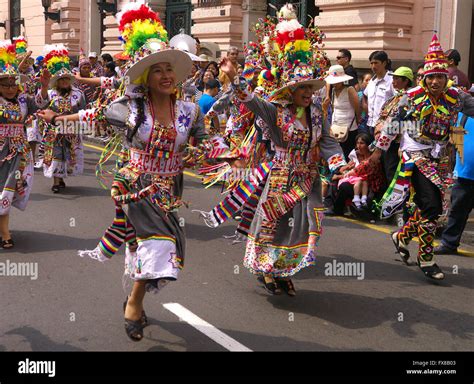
(414, 92)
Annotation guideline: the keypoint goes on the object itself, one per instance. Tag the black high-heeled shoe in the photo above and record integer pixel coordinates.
(143, 319)
(55, 188)
(8, 244)
(134, 329)
(288, 286)
(270, 284)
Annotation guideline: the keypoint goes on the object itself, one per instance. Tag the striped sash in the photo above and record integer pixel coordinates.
(279, 204)
(234, 201)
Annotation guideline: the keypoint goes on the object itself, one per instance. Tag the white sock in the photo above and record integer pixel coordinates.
(363, 200)
(356, 201)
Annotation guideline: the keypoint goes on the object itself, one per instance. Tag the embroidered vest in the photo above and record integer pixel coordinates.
(435, 118)
(301, 144)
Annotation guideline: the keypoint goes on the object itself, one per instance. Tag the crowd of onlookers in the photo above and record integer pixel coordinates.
(355, 103)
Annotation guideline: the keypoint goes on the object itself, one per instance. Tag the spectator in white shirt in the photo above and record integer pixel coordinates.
(379, 89)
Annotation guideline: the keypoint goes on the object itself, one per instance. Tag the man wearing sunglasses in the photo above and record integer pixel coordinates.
(344, 58)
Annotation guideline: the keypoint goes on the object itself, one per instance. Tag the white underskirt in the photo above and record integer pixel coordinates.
(153, 259)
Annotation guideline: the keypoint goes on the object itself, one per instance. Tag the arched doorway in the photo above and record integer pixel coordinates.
(178, 17)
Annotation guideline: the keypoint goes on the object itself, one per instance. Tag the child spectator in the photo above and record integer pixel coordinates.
(364, 176)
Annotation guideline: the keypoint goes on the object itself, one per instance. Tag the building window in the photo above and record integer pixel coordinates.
(209, 3)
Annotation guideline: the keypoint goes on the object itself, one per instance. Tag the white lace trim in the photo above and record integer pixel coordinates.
(94, 254)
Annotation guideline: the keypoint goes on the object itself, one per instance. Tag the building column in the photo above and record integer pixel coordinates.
(91, 27)
(462, 36)
(68, 31)
(252, 10)
(220, 23)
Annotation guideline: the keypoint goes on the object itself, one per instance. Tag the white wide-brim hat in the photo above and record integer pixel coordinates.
(23, 78)
(315, 83)
(61, 74)
(194, 57)
(337, 75)
(299, 76)
(205, 57)
(151, 53)
(54, 79)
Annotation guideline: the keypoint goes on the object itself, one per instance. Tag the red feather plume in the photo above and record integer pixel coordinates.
(141, 13)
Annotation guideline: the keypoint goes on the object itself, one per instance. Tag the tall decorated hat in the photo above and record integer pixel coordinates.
(259, 58)
(21, 45)
(145, 40)
(298, 58)
(56, 61)
(435, 60)
(21, 48)
(9, 61)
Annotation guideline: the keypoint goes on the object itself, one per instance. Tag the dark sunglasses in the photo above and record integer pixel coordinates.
(340, 57)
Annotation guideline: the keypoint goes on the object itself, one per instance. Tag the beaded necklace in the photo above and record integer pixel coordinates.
(162, 138)
(436, 116)
(62, 104)
(11, 111)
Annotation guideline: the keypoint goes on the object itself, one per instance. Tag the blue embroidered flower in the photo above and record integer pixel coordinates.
(184, 120)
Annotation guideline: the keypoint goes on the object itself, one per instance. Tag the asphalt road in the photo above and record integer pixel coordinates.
(75, 304)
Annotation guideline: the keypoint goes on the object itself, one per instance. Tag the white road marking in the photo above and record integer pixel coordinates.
(209, 330)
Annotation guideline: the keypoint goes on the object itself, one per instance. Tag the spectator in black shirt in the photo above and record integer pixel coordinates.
(344, 59)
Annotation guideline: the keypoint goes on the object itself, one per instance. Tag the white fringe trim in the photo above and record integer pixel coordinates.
(94, 254)
(237, 236)
(208, 218)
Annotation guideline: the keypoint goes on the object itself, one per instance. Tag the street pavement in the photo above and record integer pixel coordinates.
(75, 304)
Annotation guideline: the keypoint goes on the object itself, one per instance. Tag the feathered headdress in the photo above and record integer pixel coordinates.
(291, 54)
(259, 58)
(145, 40)
(56, 61)
(137, 24)
(300, 58)
(8, 59)
(21, 45)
